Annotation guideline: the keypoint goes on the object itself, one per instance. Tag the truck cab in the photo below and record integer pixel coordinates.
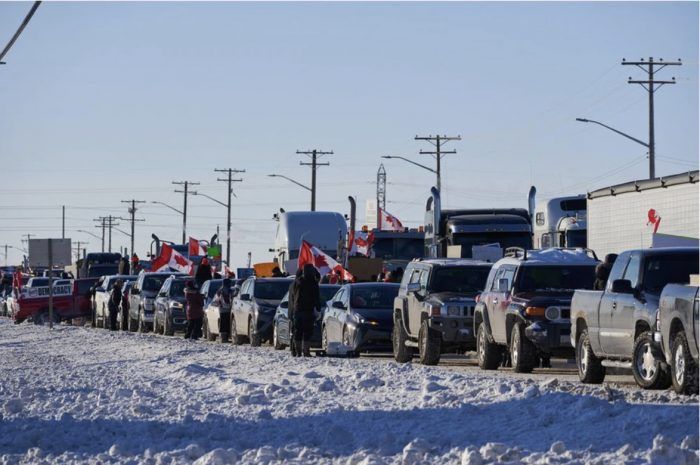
(560, 222)
(613, 327)
(475, 233)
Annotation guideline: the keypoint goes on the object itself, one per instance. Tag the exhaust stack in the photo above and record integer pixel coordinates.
(531, 202)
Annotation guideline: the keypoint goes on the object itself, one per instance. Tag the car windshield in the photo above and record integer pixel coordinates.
(462, 279)
(555, 278)
(271, 290)
(669, 268)
(177, 288)
(398, 248)
(153, 283)
(505, 240)
(327, 292)
(375, 297)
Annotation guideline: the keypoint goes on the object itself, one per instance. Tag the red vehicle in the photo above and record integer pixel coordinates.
(69, 301)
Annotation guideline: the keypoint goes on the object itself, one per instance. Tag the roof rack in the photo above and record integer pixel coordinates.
(515, 252)
(589, 252)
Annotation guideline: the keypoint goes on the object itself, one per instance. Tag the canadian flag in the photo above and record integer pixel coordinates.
(654, 219)
(324, 263)
(388, 222)
(360, 243)
(197, 248)
(170, 258)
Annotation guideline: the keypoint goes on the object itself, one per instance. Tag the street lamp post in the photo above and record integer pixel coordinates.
(228, 227)
(184, 218)
(313, 206)
(437, 173)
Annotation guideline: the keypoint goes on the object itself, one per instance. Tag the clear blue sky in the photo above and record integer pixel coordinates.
(103, 102)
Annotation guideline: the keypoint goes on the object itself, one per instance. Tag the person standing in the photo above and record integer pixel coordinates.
(224, 299)
(124, 265)
(296, 352)
(194, 311)
(204, 273)
(602, 271)
(115, 298)
(135, 265)
(306, 302)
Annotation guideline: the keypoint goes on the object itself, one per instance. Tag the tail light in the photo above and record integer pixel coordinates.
(534, 311)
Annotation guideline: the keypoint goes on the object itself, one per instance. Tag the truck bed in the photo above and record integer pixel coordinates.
(584, 304)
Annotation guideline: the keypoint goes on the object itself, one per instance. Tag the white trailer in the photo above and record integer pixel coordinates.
(660, 212)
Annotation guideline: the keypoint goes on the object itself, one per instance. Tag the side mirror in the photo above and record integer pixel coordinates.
(413, 287)
(503, 285)
(245, 297)
(622, 286)
(284, 304)
(339, 305)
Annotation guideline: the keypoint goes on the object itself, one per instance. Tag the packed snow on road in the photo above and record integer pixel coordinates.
(80, 395)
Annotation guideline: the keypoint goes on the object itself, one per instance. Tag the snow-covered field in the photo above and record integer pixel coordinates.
(81, 395)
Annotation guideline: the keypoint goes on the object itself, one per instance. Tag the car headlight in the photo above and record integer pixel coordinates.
(552, 313)
(360, 319)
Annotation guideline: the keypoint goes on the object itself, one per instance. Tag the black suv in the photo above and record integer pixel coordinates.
(170, 307)
(526, 304)
(434, 308)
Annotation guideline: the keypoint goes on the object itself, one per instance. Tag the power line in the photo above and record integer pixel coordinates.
(314, 155)
(438, 153)
(133, 220)
(185, 191)
(229, 179)
(9, 45)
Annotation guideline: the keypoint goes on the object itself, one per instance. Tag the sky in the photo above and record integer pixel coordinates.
(104, 102)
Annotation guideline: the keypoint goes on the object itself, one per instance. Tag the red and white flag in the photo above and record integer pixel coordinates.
(197, 248)
(324, 263)
(170, 258)
(360, 243)
(388, 222)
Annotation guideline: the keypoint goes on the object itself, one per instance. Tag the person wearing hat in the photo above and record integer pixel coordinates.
(135, 265)
(204, 273)
(115, 298)
(194, 311)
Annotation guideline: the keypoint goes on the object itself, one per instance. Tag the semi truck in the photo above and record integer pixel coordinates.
(658, 212)
(560, 222)
(481, 234)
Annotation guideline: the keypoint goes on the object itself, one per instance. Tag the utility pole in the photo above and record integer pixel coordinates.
(381, 193)
(651, 85)
(185, 191)
(63, 222)
(132, 212)
(229, 180)
(438, 153)
(107, 222)
(28, 236)
(7, 246)
(314, 155)
(78, 244)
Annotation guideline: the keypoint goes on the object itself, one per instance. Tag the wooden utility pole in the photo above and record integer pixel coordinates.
(314, 155)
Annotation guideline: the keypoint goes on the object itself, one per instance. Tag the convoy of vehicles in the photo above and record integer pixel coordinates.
(477, 233)
(434, 308)
(524, 309)
(614, 327)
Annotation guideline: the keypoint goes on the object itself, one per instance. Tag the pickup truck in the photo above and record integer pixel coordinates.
(69, 301)
(677, 331)
(613, 327)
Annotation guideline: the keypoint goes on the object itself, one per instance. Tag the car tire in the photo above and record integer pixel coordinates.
(133, 325)
(348, 343)
(648, 370)
(275, 340)
(402, 354)
(429, 345)
(489, 354)
(684, 370)
(235, 338)
(168, 327)
(590, 368)
(252, 337)
(523, 354)
(324, 339)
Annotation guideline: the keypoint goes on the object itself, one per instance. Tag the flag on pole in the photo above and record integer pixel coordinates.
(360, 243)
(389, 222)
(170, 258)
(197, 248)
(324, 263)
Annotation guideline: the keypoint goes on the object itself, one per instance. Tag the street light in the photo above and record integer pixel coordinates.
(228, 222)
(184, 216)
(651, 154)
(166, 205)
(88, 232)
(415, 163)
(295, 182)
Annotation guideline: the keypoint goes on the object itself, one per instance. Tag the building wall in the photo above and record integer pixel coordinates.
(619, 222)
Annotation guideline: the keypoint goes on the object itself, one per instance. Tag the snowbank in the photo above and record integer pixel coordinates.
(79, 395)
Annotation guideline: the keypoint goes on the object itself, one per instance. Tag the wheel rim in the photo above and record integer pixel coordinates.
(480, 344)
(250, 330)
(324, 339)
(234, 336)
(646, 363)
(514, 347)
(346, 337)
(275, 342)
(583, 357)
(679, 361)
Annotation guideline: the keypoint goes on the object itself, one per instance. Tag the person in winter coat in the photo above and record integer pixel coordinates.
(203, 272)
(124, 265)
(135, 265)
(194, 311)
(602, 271)
(307, 301)
(115, 298)
(277, 273)
(296, 351)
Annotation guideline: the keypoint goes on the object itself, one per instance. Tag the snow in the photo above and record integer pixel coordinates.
(556, 256)
(80, 395)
